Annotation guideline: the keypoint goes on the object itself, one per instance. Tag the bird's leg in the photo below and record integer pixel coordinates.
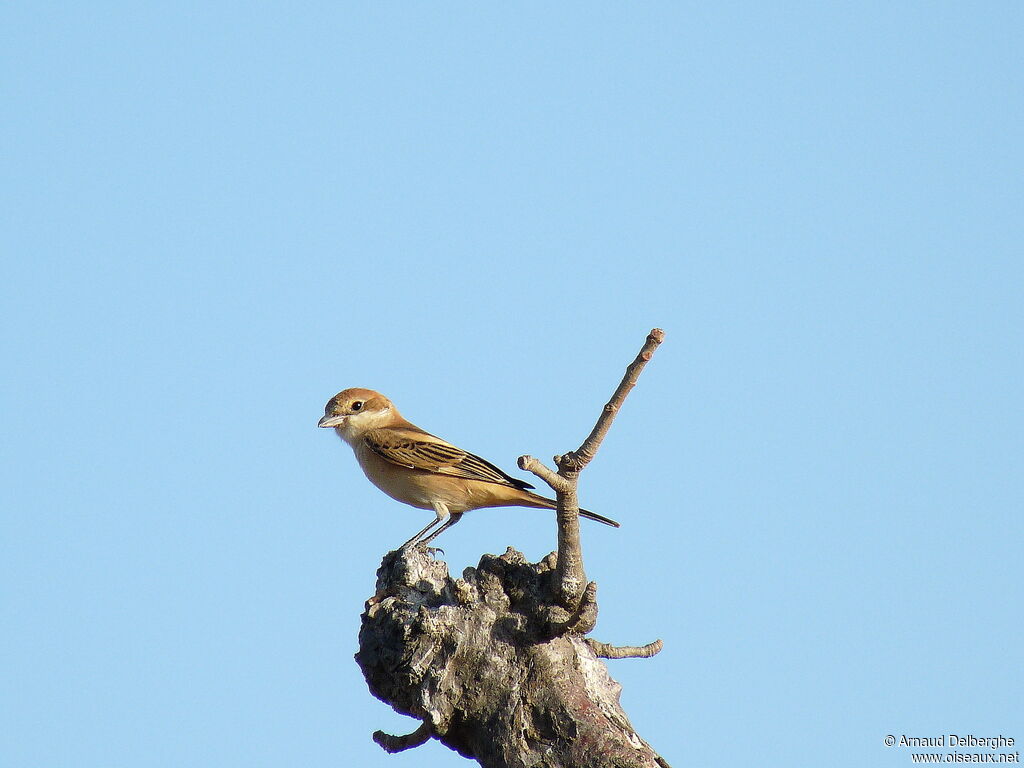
(442, 515)
(453, 518)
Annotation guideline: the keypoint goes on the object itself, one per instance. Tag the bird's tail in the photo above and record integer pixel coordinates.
(600, 518)
(550, 504)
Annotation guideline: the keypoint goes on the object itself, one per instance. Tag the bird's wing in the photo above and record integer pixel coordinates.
(419, 450)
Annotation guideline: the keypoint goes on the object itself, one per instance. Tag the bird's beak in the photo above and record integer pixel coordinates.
(331, 421)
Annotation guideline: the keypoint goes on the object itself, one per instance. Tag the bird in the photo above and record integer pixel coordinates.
(419, 469)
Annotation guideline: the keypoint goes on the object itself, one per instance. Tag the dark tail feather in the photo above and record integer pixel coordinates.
(600, 518)
(550, 504)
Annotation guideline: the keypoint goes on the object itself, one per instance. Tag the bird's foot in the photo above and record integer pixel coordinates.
(432, 551)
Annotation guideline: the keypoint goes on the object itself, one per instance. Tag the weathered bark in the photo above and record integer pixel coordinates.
(495, 664)
(485, 662)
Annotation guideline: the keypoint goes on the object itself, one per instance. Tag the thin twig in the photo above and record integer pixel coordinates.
(393, 744)
(606, 651)
(549, 476)
(578, 459)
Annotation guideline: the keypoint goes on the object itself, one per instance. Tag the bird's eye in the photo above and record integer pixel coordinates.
(357, 405)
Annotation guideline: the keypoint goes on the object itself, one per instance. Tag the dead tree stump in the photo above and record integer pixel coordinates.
(486, 664)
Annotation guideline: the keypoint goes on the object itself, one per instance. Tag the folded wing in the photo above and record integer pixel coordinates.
(418, 450)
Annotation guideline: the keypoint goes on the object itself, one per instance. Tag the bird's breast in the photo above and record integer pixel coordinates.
(415, 487)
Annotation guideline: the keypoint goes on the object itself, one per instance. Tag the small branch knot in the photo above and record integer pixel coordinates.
(569, 463)
(586, 614)
(583, 618)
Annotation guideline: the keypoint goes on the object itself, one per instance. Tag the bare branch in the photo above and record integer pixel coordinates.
(606, 651)
(578, 459)
(392, 744)
(571, 576)
(549, 476)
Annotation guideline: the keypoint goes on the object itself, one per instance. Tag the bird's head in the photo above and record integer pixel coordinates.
(352, 412)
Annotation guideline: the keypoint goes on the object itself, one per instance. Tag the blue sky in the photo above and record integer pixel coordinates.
(215, 216)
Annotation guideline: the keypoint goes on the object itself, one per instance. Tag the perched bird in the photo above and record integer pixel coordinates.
(419, 469)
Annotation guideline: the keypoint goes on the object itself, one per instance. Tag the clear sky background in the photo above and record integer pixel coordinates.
(217, 215)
